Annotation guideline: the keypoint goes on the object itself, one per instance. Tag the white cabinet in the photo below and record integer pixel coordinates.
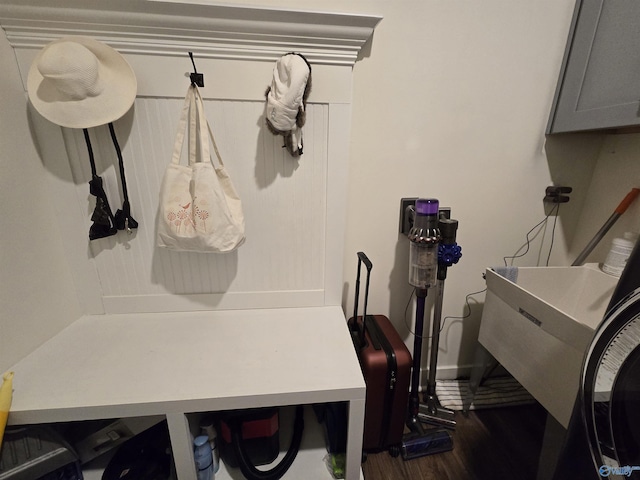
(599, 85)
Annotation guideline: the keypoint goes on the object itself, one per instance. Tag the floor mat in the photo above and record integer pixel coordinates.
(494, 392)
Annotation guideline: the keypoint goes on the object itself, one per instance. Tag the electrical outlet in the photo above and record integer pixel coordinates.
(556, 199)
(407, 213)
(555, 194)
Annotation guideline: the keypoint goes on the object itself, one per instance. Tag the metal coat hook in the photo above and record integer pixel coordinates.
(196, 78)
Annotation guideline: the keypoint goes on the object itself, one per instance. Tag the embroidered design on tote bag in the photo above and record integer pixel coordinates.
(186, 217)
(200, 210)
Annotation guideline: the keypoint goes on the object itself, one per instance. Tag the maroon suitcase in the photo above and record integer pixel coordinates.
(386, 366)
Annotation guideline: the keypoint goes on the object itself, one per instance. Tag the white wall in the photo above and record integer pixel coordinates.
(37, 295)
(451, 100)
(452, 103)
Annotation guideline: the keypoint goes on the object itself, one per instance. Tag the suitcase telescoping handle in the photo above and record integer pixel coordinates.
(358, 332)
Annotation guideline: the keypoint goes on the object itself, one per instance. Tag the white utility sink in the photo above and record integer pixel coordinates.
(538, 321)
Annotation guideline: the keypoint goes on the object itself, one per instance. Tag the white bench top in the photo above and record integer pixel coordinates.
(108, 366)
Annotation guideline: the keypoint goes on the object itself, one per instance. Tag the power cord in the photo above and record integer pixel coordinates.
(427, 337)
(555, 209)
(466, 301)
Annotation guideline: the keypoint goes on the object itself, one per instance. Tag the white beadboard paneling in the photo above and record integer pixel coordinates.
(294, 208)
(284, 201)
(337, 186)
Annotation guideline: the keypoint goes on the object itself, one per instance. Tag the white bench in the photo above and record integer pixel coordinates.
(181, 364)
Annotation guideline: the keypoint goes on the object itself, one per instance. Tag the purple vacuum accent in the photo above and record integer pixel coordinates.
(427, 206)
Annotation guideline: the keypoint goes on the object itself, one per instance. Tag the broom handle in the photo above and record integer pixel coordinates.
(624, 204)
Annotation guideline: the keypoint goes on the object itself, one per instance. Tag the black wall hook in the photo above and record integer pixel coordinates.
(196, 78)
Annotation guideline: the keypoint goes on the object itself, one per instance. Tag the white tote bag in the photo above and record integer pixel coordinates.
(200, 210)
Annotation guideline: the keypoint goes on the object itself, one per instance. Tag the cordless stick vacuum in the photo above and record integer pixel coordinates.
(424, 238)
(449, 252)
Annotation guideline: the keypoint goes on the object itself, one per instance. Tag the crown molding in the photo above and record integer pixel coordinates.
(169, 27)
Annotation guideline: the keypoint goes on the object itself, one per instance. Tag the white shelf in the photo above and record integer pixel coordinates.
(174, 364)
(310, 461)
(308, 465)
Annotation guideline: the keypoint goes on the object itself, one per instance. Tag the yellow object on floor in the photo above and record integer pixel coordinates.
(6, 391)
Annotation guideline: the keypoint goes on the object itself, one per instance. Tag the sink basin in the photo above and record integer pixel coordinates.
(538, 321)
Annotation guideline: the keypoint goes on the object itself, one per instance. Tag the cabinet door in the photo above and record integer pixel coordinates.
(599, 84)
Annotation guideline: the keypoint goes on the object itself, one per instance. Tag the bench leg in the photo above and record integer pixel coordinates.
(483, 363)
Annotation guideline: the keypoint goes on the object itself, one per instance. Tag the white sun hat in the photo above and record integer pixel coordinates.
(79, 82)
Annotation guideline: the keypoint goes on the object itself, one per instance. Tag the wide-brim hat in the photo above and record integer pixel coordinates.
(79, 82)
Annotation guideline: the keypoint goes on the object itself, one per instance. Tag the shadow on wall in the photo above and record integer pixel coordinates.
(572, 159)
(66, 156)
(401, 293)
(401, 306)
(402, 314)
(468, 319)
(272, 159)
(402, 309)
(616, 172)
(365, 50)
(46, 138)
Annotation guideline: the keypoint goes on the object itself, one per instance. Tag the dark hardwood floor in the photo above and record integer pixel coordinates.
(491, 444)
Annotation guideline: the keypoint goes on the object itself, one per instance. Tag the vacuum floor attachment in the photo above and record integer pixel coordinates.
(415, 445)
(433, 413)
